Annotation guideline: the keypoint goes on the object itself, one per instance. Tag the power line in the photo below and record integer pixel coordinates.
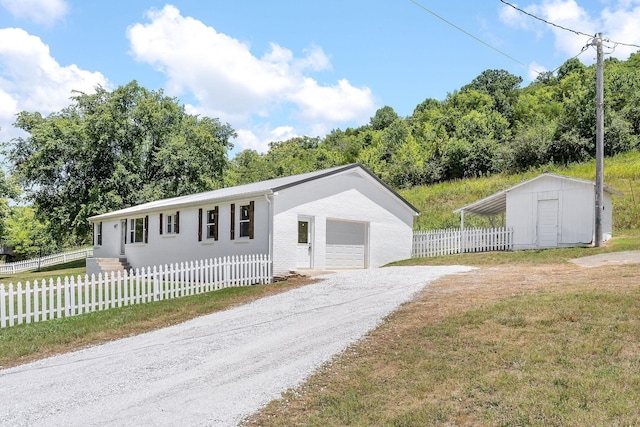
(474, 37)
(580, 33)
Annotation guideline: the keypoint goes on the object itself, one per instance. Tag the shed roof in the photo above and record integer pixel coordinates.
(497, 202)
(247, 190)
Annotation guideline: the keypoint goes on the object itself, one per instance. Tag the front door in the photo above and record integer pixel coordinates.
(305, 247)
(123, 235)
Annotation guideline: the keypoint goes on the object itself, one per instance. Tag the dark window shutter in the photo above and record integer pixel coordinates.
(161, 224)
(233, 221)
(200, 225)
(126, 221)
(215, 223)
(251, 209)
(177, 222)
(146, 229)
(100, 233)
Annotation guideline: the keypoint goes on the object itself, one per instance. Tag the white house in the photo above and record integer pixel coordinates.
(343, 217)
(548, 211)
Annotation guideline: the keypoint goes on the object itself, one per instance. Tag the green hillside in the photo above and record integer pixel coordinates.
(436, 202)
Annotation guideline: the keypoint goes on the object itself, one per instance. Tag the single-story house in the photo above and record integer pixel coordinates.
(548, 211)
(342, 217)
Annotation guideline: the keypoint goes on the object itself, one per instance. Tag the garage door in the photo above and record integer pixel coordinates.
(346, 244)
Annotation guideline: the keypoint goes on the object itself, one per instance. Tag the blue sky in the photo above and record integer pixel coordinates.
(285, 68)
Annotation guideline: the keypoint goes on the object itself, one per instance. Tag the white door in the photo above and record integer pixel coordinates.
(346, 244)
(548, 223)
(305, 248)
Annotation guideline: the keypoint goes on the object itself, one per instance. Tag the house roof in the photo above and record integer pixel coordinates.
(247, 190)
(497, 202)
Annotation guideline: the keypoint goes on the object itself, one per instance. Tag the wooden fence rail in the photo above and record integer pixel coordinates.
(70, 296)
(36, 263)
(454, 241)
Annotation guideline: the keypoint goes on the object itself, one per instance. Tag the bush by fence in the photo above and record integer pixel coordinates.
(70, 296)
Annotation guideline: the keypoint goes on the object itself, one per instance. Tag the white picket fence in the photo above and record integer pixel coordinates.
(36, 263)
(454, 241)
(70, 296)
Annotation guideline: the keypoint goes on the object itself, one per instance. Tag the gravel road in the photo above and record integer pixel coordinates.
(213, 370)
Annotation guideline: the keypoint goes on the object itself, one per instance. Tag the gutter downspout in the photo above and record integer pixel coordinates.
(269, 198)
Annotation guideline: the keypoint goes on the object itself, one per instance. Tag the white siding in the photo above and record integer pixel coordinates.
(576, 205)
(184, 246)
(348, 197)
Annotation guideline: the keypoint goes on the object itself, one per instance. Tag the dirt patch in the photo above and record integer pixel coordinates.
(614, 258)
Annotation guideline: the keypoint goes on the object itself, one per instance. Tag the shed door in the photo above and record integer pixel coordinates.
(346, 244)
(548, 223)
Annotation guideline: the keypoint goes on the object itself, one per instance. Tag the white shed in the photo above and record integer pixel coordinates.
(343, 217)
(548, 211)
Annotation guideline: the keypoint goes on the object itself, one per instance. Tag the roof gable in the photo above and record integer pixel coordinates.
(247, 190)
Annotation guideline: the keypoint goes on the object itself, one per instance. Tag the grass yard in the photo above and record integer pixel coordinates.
(73, 268)
(513, 343)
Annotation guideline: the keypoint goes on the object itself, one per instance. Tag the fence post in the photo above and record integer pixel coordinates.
(3, 307)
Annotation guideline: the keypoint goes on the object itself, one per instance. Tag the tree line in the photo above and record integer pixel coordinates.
(114, 149)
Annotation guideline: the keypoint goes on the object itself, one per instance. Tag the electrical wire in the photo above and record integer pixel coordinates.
(580, 33)
(473, 37)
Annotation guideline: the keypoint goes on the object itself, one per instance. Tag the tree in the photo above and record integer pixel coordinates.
(111, 150)
(383, 118)
(26, 234)
(501, 86)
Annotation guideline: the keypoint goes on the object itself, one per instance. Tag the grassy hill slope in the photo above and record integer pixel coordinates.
(436, 202)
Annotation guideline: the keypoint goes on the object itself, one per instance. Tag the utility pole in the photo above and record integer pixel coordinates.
(599, 142)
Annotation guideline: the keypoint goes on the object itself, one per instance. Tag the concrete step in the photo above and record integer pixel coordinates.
(113, 264)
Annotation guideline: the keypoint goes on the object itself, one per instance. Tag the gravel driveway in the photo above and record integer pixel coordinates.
(213, 370)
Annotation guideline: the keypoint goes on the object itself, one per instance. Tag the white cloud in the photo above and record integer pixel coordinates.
(46, 12)
(231, 83)
(514, 18)
(535, 70)
(258, 138)
(31, 80)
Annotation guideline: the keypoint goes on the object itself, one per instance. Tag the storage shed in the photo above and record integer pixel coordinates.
(342, 217)
(548, 211)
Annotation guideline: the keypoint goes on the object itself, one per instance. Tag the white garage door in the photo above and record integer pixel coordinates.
(346, 244)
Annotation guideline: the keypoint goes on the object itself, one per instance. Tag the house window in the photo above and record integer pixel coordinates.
(244, 221)
(212, 224)
(138, 230)
(171, 220)
(99, 234)
(170, 223)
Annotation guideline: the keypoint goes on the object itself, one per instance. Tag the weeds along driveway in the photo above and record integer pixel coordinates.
(213, 370)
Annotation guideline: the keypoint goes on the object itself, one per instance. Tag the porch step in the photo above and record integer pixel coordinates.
(108, 265)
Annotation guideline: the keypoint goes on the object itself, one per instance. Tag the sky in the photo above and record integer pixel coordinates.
(279, 69)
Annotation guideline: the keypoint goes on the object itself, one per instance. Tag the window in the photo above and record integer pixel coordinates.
(138, 230)
(171, 220)
(244, 222)
(170, 223)
(99, 234)
(212, 224)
